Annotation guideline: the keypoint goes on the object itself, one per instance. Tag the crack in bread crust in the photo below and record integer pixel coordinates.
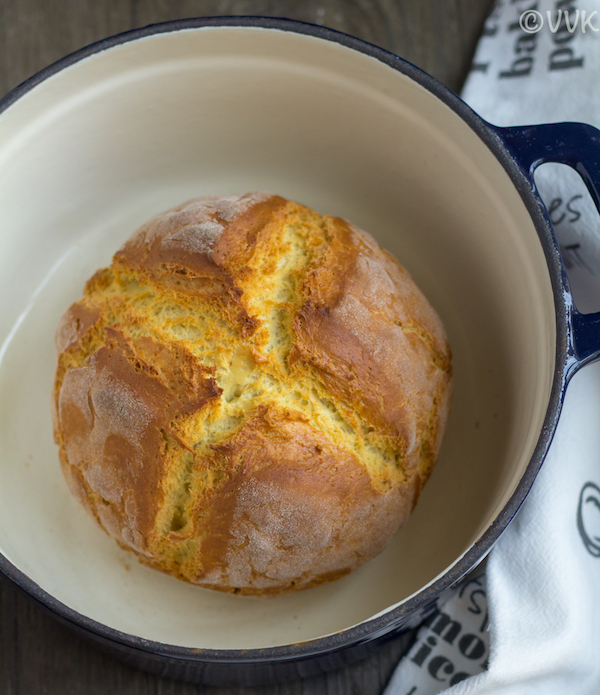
(269, 375)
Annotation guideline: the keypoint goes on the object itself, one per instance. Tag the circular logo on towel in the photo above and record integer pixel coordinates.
(588, 518)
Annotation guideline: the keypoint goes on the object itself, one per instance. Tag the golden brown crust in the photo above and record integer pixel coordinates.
(376, 341)
(298, 511)
(252, 396)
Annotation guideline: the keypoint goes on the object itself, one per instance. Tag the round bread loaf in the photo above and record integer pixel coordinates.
(252, 396)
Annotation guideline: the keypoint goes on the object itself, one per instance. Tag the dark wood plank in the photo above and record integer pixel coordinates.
(35, 33)
(438, 37)
(37, 654)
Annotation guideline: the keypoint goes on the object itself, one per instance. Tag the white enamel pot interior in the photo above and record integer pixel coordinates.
(96, 145)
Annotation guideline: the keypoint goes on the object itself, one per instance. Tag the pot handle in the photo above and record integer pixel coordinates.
(578, 146)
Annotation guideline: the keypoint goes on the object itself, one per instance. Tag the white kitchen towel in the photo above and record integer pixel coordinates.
(550, 74)
(537, 62)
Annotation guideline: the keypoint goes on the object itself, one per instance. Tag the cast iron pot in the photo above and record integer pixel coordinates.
(94, 145)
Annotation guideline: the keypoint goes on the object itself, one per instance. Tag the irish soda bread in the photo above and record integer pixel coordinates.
(252, 396)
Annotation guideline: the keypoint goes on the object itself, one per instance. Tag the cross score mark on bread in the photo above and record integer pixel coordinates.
(252, 396)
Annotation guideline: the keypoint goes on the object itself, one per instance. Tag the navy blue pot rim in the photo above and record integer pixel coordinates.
(512, 157)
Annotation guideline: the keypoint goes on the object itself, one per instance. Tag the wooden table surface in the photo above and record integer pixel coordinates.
(37, 654)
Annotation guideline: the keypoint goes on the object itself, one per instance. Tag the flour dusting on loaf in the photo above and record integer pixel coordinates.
(252, 396)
